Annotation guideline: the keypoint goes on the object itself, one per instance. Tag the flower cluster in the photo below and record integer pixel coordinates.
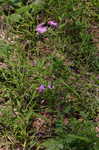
(42, 88)
(41, 28)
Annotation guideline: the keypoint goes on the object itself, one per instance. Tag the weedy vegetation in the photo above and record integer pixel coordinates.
(49, 75)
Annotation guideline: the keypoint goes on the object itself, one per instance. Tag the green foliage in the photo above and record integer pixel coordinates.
(64, 60)
(5, 49)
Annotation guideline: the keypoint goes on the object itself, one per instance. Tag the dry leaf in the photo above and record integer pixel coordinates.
(39, 124)
(97, 119)
(66, 121)
(81, 119)
(97, 129)
(3, 65)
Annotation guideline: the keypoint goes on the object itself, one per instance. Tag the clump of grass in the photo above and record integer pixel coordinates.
(48, 81)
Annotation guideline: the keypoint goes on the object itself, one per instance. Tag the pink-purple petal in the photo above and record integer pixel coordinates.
(50, 86)
(41, 88)
(53, 23)
(41, 28)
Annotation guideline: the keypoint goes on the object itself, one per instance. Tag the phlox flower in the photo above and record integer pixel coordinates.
(41, 28)
(50, 87)
(41, 88)
(53, 23)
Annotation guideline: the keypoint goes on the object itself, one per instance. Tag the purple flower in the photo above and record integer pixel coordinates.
(50, 86)
(41, 28)
(53, 23)
(41, 88)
